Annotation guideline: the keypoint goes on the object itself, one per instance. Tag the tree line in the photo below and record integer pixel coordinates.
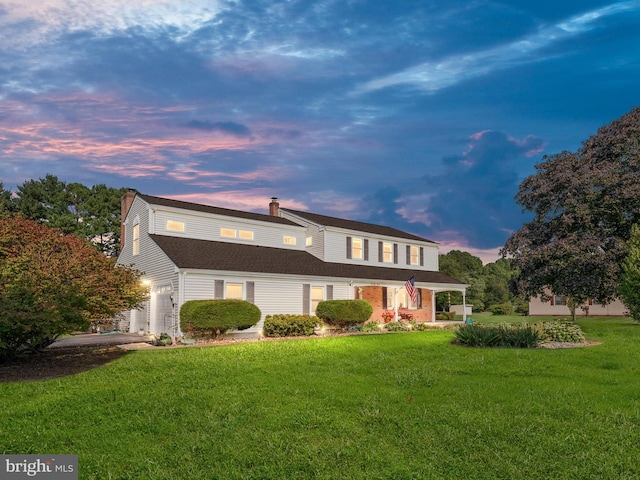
(89, 212)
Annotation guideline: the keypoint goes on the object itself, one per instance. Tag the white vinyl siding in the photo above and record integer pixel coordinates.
(203, 226)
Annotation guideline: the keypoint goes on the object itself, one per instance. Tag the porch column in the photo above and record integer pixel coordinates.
(395, 304)
(464, 306)
(433, 306)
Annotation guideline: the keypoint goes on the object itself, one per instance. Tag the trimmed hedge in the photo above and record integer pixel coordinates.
(209, 318)
(344, 313)
(287, 325)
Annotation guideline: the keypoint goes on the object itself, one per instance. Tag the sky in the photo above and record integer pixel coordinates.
(421, 115)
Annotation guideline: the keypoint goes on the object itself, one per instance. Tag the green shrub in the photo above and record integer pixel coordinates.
(398, 326)
(370, 327)
(209, 318)
(501, 309)
(421, 326)
(344, 313)
(445, 315)
(522, 308)
(285, 325)
(503, 335)
(163, 340)
(562, 331)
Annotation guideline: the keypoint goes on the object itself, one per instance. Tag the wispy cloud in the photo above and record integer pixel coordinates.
(434, 76)
(47, 19)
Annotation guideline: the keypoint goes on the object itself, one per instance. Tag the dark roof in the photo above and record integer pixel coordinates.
(196, 207)
(354, 225)
(210, 255)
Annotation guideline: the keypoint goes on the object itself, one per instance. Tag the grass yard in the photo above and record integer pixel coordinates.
(394, 406)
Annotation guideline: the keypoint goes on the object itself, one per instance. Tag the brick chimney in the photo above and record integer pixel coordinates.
(125, 204)
(274, 207)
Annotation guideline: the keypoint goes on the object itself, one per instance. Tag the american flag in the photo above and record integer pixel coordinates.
(410, 285)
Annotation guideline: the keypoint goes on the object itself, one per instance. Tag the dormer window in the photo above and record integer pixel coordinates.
(175, 226)
(228, 232)
(288, 240)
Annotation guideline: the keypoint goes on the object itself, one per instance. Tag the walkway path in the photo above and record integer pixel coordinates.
(98, 339)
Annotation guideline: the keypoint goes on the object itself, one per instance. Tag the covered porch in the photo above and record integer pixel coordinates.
(394, 298)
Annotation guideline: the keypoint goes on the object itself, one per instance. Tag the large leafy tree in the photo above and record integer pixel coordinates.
(629, 288)
(584, 204)
(92, 213)
(52, 283)
(468, 269)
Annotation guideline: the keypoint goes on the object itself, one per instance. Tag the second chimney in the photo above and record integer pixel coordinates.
(274, 207)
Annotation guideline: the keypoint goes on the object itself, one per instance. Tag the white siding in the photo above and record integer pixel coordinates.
(199, 286)
(151, 260)
(204, 226)
(336, 251)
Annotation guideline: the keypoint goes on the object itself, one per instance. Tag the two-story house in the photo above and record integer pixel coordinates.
(283, 262)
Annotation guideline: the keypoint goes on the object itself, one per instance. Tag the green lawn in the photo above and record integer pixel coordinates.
(394, 406)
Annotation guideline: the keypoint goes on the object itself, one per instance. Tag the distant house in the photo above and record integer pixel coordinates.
(283, 262)
(557, 305)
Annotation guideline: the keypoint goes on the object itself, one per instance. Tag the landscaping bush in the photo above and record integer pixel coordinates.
(211, 318)
(370, 327)
(445, 315)
(562, 331)
(344, 313)
(285, 325)
(421, 326)
(501, 309)
(503, 335)
(163, 340)
(398, 326)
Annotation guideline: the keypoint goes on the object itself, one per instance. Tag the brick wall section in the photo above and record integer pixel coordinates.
(374, 296)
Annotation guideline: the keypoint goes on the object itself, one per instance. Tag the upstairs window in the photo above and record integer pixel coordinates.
(175, 226)
(228, 232)
(245, 234)
(414, 256)
(136, 239)
(357, 248)
(387, 252)
(309, 241)
(288, 240)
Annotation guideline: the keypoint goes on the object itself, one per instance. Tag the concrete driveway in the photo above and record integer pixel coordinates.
(98, 339)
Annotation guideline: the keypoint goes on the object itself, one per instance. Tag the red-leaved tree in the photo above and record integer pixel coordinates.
(52, 284)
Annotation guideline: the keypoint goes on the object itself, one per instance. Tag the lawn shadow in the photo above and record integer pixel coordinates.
(58, 362)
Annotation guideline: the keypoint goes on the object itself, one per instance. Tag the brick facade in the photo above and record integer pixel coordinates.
(375, 296)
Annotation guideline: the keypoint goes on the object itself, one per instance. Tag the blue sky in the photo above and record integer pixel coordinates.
(422, 115)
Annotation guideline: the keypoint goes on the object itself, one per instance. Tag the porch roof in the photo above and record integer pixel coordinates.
(187, 253)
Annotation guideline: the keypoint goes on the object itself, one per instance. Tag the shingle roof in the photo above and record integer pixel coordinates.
(354, 225)
(196, 207)
(210, 255)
